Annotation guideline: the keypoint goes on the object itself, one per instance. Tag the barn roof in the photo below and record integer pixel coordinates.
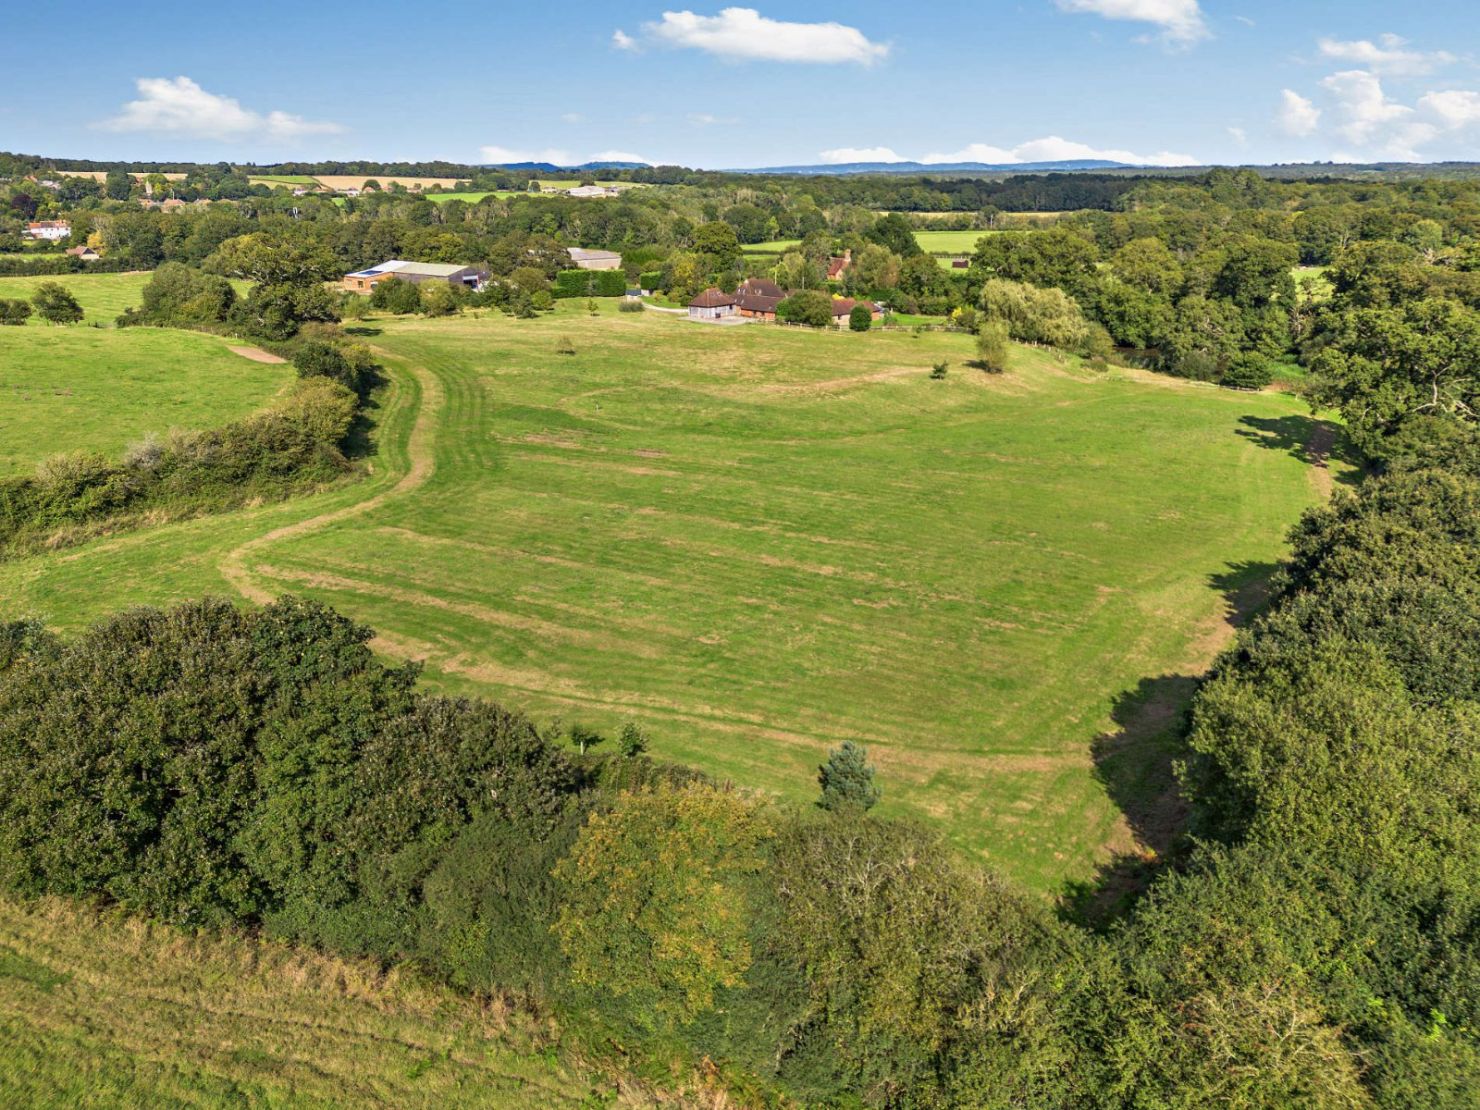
(712, 298)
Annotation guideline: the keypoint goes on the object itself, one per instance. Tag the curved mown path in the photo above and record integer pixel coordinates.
(421, 464)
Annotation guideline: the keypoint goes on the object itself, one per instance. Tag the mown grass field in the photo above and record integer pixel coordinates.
(118, 1013)
(102, 296)
(758, 542)
(773, 246)
(89, 389)
(949, 242)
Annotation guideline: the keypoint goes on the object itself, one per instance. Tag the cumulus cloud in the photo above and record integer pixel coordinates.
(1180, 22)
(1298, 114)
(503, 156)
(1454, 108)
(743, 34)
(618, 156)
(847, 154)
(1388, 56)
(1056, 149)
(180, 106)
(1356, 109)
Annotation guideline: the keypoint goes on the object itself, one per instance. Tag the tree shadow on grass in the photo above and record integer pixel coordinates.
(1311, 440)
(1136, 763)
(359, 441)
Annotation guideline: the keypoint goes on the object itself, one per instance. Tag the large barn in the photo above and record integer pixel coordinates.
(418, 273)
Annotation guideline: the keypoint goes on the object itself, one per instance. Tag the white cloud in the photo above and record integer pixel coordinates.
(1239, 135)
(1056, 149)
(573, 117)
(502, 156)
(745, 34)
(847, 154)
(1180, 21)
(179, 106)
(621, 40)
(619, 156)
(1387, 56)
(1298, 114)
(703, 119)
(1372, 125)
(1454, 108)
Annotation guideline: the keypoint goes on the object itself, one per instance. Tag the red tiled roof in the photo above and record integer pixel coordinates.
(712, 298)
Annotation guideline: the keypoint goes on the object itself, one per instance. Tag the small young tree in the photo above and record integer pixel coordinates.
(939, 371)
(55, 304)
(861, 318)
(584, 739)
(991, 346)
(565, 346)
(632, 740)
(847, 779)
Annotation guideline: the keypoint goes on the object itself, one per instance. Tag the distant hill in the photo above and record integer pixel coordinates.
(1082, 165)
(584, 167)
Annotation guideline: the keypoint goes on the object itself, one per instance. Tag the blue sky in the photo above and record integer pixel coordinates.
(782, 82)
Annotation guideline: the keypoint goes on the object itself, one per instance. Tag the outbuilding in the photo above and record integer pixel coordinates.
(712, 304)
(594, 260)
(418, 273)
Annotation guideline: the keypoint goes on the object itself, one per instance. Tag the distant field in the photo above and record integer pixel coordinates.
(774, 246)
(282, 179)
(472, 198)
(100, 175)
(758, 542)
(79, 388)
(102, 296)
(121, 1013)
(357, 181)
(949, 242)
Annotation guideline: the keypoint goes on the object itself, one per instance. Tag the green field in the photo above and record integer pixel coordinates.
(759, 542)
(471, 198)
(282, 179)
(102, 296)
(79, 388)
(121, 1013)
(774, 246)
(949, 242)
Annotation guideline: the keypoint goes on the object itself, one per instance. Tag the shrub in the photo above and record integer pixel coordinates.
(14, 313)
(180, 296)
(630, 304)
(939, 371)
(396, 296)
(55, 303)
(1248, 371)
(811, 307)
(861, 318)
(590, 283)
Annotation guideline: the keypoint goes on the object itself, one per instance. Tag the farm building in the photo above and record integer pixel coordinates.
(418, 273)
(595, 260)
(712, 304)
(86, 254)
(591, 191)
(757, 298)
(51, 230)
(843, 307)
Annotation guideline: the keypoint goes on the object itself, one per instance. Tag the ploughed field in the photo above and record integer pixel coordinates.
(758, 542)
